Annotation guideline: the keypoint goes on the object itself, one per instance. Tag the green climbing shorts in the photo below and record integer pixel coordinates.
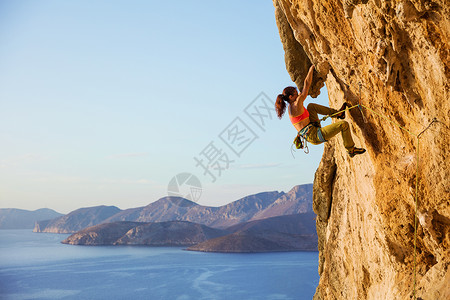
(313, 136)
(317, 135)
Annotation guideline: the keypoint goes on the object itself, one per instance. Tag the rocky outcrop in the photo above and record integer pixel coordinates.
(13, 218)
(172, 233)
(101, 235)
(398, 53)
(282, 233)
(77, 220)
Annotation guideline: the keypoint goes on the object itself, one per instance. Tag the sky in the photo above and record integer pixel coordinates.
(124, 102)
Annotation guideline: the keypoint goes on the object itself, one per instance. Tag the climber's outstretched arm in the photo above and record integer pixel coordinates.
(307, 84)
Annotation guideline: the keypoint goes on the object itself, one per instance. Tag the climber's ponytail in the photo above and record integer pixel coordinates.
(280, 105)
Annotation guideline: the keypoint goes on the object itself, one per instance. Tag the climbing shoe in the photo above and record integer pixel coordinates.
(356, 151)
(342, 114)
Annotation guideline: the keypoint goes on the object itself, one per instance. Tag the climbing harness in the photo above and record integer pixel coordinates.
(320, 136)
(300, 140)
(305, 146)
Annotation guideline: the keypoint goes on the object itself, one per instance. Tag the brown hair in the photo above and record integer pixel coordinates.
(280, 105)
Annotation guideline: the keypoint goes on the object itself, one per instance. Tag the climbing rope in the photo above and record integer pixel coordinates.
(337, 113)
(415, 217)
(387, 119)
(360, 104)
(417, 181)
(435, 120)
(417, 178)
(415, 203)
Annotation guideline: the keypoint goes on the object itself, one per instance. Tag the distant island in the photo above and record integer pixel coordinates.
(282, 233)
(13, 218)
(77, 220)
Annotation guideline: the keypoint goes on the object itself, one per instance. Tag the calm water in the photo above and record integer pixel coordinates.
(38, 266)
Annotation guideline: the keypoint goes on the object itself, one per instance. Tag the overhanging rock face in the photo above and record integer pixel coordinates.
(398, 52)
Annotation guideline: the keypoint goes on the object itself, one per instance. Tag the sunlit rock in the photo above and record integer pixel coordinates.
(394, 56)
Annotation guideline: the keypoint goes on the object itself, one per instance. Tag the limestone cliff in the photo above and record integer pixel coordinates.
(398, 50)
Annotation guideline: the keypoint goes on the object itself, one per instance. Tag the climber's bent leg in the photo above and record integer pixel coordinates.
(341, 126)
(315, 109)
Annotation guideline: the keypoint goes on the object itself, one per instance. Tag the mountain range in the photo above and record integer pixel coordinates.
(253, 207)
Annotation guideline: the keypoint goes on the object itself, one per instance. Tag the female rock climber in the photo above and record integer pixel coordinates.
(306, 121)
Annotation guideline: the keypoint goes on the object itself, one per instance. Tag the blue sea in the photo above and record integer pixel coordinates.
(38, 266)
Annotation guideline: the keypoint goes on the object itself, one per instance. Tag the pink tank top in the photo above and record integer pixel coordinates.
(299, 118)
